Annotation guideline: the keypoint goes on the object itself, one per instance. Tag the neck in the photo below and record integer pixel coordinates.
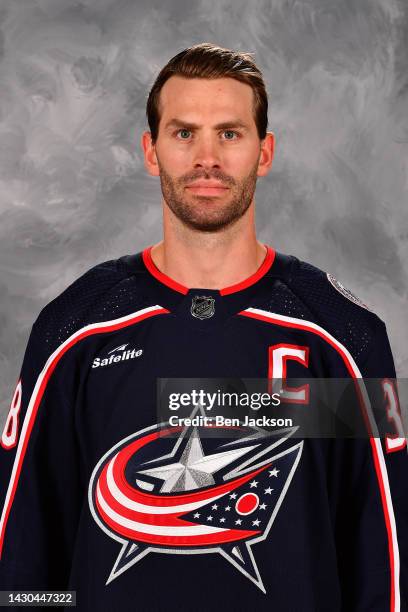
(209, 260)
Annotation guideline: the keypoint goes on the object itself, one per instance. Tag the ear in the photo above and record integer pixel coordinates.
(267, 152)
(149, 151)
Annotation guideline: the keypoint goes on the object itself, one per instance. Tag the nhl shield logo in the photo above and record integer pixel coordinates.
(202, 306)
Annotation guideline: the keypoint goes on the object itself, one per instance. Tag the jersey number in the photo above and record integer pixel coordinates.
(393, 443)
(9, 436)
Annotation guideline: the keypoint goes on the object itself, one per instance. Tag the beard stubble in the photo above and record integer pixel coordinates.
(208, 213)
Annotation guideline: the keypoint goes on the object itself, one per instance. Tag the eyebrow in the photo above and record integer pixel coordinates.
(194, 126)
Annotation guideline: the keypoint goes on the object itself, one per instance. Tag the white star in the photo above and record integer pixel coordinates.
(214, 507)
(209, 518)
(194, 469)
(233, 495)
(273, 472)
(253, 484)
(197, 514)
(238, 522)
(222, 520)
(256, 523)
(268, 491)
(262, 506)
(227, 508)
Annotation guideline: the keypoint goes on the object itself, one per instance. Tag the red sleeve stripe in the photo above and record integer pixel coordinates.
(41, 384)
(378, 455)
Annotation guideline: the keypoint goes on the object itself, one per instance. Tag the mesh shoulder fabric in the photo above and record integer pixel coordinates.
(305, 292)
(105, 292)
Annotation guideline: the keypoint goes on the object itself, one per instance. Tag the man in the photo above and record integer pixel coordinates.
(102, 496)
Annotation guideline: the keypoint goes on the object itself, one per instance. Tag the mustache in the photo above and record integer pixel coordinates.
(218, 176)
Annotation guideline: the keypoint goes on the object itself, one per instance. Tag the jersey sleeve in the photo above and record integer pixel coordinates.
(379, 370)
(372, 512)
(39, 473)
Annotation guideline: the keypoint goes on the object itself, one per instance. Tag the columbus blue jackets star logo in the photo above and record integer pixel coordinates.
(193, 494)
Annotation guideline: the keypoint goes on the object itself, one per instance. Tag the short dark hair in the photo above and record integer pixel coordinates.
(208, 61)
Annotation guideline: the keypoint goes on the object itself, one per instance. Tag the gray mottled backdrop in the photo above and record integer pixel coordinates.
(74, 78)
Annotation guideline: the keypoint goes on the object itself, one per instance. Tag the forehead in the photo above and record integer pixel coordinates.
(181, 97)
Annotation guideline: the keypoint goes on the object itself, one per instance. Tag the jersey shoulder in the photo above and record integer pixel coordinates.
(301, 291)
(336, 308)
(104, 292)
(323, 290)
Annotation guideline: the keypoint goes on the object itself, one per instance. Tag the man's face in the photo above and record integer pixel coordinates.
(207, 135)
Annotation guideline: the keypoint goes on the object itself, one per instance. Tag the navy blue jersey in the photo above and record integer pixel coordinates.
(99, 498)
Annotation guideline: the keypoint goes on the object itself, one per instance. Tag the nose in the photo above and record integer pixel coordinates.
(207, 152)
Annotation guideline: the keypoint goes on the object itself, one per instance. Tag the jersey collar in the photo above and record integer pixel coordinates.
(244, 284)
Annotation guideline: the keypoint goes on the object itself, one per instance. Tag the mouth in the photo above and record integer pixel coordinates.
(208, 190)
